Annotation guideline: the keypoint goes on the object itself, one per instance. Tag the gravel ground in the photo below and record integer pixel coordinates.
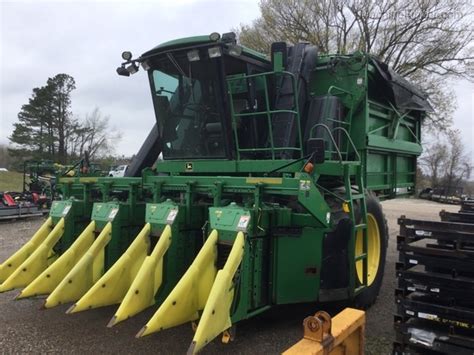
(25, 328)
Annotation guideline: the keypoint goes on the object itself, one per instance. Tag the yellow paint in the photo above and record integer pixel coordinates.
(373, 250)
(65, 180)
(84, 274)
(345, 207)
(190, 294)
(215, 318)
(141, 293)
(87, 179)
(51, 277)
(264, 180)
(113, 285)
(11, 264)
(348, 331)
(37, 262)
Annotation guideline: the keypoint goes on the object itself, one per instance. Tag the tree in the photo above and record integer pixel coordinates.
(47, 129)
(426, 41)
(457, 166)
(34, 130)
(5, 158)
(44, 123)
(60, 89)
(434, 160)
(446, 161)
(94, 135)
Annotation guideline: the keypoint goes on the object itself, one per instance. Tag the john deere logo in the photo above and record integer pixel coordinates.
(189, 166)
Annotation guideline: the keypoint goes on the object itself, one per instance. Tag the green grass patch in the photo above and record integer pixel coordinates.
(11, 181)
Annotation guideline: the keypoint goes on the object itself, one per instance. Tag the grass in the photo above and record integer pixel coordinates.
(11, 181)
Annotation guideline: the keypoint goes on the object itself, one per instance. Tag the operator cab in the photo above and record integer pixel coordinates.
(217, 100)
(188, 94)
(190, 91)
(204, 97)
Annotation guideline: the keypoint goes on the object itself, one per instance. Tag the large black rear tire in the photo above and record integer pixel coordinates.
(375, 215)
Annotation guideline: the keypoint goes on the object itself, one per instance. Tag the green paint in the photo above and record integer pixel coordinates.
(126, 223)
(76, 216)
(284, 210)
(185, 242)
(297, 261)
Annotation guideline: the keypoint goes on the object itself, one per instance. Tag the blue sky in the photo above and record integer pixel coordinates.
(39, 39)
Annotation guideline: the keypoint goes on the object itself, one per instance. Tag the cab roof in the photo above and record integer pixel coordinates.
(196, 41)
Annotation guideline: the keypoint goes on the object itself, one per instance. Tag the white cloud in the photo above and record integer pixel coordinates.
(85, 39)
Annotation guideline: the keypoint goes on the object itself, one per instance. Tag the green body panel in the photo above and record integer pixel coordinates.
(75, 214)
(161, 214)
(60, 209)
(297, 261)
(387, 140)
(103, 213)
(229, 220)
(278, 266)
(225, 166)
(253, 189)
(252, 278)
(126, 222)
(186, 241)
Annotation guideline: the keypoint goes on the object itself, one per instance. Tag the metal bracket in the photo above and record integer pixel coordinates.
(228, 335)
(318, 328)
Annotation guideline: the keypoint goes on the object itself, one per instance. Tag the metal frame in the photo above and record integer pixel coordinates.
(268, 112)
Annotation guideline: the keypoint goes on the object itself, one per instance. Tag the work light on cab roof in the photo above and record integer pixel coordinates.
(131, 68)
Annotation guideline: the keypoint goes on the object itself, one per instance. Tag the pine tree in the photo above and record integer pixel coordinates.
(45, 121)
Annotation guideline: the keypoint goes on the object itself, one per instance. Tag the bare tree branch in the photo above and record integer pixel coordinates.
(420, 39)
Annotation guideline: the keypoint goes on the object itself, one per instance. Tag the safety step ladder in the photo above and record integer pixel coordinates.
(360, 225)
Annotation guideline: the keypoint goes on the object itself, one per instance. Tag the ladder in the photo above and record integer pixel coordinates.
(352, 168)
(359, 225)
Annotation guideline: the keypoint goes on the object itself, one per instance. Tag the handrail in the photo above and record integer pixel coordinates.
(330, 136)
(268, 112)
(235, 78)
(330, 192)
(350, 140)
(247, 114)
(340, 89)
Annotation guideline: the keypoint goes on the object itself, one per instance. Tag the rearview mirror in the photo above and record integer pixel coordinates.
(315, 147)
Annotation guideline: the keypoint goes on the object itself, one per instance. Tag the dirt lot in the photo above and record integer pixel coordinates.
(25, 328)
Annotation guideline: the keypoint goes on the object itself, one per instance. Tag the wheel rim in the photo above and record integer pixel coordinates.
(373, 250)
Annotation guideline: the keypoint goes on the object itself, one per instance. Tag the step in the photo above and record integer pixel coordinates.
(358, 196)
(360, 226)
(360, 257)
(359, 289)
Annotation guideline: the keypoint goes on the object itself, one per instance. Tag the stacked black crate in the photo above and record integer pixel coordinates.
(435, 294)
(467, 206)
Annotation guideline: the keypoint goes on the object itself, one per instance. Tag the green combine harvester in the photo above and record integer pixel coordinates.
(267, 194)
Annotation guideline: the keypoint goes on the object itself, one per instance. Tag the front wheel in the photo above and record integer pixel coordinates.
(377, 242)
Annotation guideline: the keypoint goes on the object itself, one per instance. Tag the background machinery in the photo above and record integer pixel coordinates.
(267, 193)
(39, 187)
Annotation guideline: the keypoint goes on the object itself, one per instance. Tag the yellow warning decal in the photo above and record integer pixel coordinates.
(264, 180)
(81, 180)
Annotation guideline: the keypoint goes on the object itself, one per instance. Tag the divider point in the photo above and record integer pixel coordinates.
(112, 322)
(140, 333)
(70, 309)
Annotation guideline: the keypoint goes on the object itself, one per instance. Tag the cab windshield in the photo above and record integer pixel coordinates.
(188, 104)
